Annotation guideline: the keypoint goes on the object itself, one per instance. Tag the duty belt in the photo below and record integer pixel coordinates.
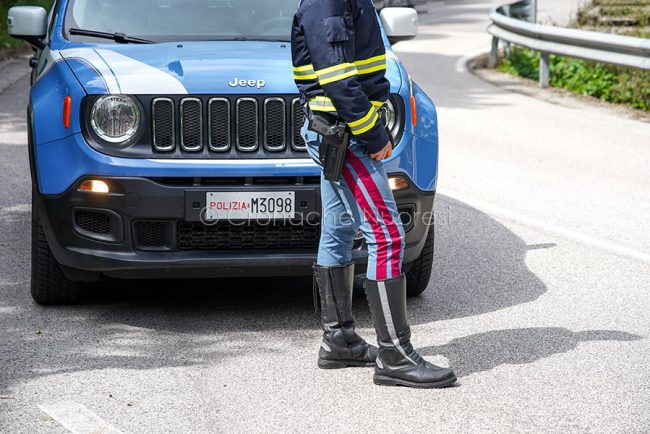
(333, 118)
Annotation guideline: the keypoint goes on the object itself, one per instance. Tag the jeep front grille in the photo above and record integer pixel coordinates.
(247, 124)
(274, 128)
(219, 124)
(297, 120)
(222, 126)
(191, 124)
(163, 124)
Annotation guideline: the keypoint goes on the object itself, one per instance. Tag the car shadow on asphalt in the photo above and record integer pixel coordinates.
(147, 324)
(479, 267)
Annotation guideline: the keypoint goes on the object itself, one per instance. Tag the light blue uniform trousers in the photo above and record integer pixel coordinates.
(360, 201)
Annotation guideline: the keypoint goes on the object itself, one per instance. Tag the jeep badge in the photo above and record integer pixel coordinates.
(247, 83)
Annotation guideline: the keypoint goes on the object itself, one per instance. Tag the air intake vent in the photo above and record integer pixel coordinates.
(152, 235)
(219, 124)
(191, 124)
(251, 236)
(298, 118)
(93, 222)
(98, 224)
(247, 124)
(407, 216)
(275, 124)
(163, 124)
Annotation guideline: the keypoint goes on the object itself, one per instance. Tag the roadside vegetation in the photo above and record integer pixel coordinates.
(606, 82)
(7, 44)
(626, 17)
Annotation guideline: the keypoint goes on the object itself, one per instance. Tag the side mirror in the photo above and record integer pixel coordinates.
(400, 24)
(28, 23)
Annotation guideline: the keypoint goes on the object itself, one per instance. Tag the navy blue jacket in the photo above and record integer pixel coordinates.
(339, 63)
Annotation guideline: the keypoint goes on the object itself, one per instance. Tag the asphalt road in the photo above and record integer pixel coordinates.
(539, 299)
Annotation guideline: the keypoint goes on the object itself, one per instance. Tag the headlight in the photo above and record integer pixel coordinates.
(115, 118)
(391, 116)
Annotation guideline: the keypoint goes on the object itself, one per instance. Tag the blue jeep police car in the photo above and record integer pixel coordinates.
(152, 122)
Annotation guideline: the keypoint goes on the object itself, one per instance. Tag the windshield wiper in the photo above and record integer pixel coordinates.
(120, 38)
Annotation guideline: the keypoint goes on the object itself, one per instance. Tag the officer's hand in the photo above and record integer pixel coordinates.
(384, 153)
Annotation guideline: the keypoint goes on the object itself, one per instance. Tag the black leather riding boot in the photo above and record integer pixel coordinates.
(398, 364)
(341, 346)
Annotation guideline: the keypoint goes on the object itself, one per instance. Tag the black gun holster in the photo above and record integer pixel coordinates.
(333, 146)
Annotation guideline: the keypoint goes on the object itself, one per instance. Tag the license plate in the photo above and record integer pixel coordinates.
(245, 205)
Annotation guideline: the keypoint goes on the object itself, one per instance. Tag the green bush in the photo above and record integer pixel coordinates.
(5, 40)
(606, 82)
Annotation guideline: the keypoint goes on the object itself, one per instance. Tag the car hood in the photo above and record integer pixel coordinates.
(239, 67)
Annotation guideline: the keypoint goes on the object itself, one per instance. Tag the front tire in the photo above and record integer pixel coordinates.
(419, 273)
(49, 285)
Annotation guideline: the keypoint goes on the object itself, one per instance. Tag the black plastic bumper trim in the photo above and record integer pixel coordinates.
(142, 198)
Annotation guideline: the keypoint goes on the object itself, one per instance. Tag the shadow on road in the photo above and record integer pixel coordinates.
(454, 12)
(484, 351)
(445, 34)
(436, 74)
(479, 268)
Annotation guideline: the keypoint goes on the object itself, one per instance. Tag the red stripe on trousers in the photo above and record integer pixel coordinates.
(382, 209)
(380, 237)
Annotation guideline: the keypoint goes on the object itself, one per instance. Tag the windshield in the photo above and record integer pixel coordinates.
(184, 20)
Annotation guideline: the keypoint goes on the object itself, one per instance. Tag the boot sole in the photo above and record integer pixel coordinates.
(391, 381)
(340, 364)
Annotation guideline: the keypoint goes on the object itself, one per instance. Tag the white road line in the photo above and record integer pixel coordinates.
(548, 227)
(16, 209)
(78, 419)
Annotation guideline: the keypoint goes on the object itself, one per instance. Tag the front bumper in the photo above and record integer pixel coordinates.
(120, 234)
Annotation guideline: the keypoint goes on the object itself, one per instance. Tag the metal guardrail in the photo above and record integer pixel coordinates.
(600, 47)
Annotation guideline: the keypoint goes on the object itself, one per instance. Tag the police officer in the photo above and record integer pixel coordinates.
(339, 64)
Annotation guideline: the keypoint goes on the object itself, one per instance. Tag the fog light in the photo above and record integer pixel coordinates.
(398, 183)
(94, 186)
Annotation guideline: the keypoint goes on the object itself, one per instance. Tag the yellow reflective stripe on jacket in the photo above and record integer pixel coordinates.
(325, 104)
(341, 71)
(372, 64)
(366, 123)
(336, 73)
(304, 72)
(321, 104)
